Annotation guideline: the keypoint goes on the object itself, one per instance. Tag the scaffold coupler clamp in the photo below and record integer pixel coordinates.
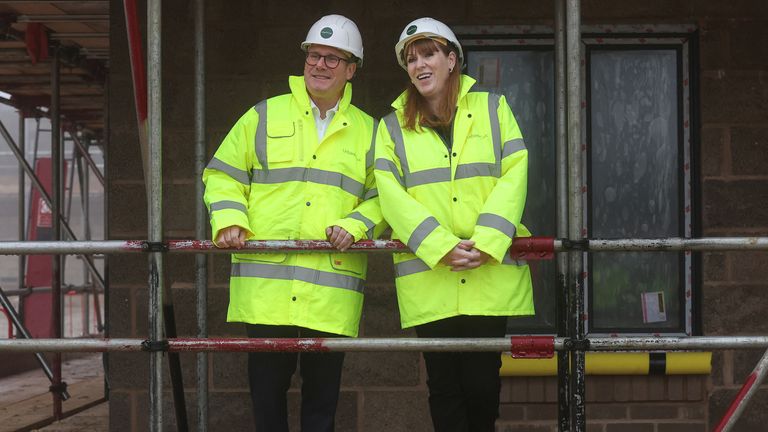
(575, 245)
(576, 344)
(155, 346)
(149, 246)
(59, 390)
(532, 346)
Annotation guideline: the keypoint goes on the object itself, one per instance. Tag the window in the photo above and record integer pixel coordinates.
(636, 124)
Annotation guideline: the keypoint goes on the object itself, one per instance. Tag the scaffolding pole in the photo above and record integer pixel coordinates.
(201, 219)
(154, 178)
(57, 387)
(577, 377)
(518, 346)
(22, 218)
(561, 152)
(530, 248)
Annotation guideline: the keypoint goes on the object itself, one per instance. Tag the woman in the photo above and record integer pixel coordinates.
(451, 170)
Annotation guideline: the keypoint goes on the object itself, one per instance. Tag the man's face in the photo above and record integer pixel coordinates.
(322, 81)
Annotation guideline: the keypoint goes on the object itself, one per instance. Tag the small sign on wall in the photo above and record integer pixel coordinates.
(489, 72)
(654, 309)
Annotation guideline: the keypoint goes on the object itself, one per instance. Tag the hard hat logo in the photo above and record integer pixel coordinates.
(338, 32)
(427, 28)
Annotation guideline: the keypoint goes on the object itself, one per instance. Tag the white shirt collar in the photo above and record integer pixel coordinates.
(322, 124)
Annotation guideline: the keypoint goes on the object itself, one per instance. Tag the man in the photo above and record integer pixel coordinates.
(299, 166)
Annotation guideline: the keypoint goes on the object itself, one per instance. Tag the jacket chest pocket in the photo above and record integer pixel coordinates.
(282, 141)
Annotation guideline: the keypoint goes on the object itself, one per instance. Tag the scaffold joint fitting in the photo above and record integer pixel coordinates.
(575, 245)
(149, 246)
(532, 346)
(577, 344)
(58, 389)
(155, 346)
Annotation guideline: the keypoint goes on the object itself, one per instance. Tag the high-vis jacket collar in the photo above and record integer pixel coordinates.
(299, 91)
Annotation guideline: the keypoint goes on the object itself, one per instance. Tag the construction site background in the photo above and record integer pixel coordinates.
(251, 48)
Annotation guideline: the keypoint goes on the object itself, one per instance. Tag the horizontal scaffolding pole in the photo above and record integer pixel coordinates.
(522, 248)
(519, 346)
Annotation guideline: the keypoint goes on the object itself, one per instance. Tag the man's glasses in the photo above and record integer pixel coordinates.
(331, 61)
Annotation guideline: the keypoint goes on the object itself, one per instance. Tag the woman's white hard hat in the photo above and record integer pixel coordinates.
(425, 28)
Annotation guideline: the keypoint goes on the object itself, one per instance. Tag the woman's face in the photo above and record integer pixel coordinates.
(429, 70)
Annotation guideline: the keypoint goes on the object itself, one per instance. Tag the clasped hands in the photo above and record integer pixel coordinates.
(234, 237)
(464, 256)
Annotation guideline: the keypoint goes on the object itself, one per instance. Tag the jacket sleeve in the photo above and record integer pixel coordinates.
(499, 218)
(227, 177)
(366, 220)
(410, 220)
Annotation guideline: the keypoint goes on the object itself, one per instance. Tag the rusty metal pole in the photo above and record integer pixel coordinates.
(201, 219)
(561, 145)
(56, 162)
(576, 215)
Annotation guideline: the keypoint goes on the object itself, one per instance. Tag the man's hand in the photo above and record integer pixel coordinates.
(339, 237)
(232, 236)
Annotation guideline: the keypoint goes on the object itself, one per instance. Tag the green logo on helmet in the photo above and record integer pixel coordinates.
(326, 32)
(411, 30)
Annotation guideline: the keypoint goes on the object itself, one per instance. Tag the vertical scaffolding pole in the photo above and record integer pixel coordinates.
(154, 177)
(56, 162)
(575, 209)
(561, 144)
(201, 221)
(22, 198)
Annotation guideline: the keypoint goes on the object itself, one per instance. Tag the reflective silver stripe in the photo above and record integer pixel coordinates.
(373, 193)
(493, 115)
(410, 267)
(393, 127)
(317, 277)
(370, 154)
(358, 216)
(434, 175)
(261, 133)
(509, 261)
(312, 175)
(421, 232)
(491, 220)
(237, 174)
(512, 147)
(478, 169)
(387, 165)
(234, 205)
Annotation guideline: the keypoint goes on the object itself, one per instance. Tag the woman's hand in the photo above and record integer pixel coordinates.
(464, 256)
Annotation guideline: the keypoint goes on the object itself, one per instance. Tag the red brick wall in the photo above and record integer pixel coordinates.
(252, 47)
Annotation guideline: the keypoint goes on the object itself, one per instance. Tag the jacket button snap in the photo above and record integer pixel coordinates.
(446, 156)
(293, 298)
(469, 115)
(344, 124)
(309, 203)
(462, 281)
(454, 154)
(454, 200)
(314, 156)
(306, 112)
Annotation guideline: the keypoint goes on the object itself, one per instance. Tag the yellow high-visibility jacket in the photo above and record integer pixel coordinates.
(432, 198)
(272, 177)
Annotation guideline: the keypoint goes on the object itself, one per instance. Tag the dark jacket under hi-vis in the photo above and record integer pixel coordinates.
(274, 178)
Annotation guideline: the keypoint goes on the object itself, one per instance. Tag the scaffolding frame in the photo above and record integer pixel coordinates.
(570, 344)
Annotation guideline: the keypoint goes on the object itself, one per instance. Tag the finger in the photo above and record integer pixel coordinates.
(335, 235)
(345, 242)
(328, 232)
(241, 239)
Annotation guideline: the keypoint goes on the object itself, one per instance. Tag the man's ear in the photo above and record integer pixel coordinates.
(351, 69)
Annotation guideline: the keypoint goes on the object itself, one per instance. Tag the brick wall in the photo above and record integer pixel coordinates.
(252, 47)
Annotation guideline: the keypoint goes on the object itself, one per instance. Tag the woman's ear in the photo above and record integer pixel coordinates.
(451, 60)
